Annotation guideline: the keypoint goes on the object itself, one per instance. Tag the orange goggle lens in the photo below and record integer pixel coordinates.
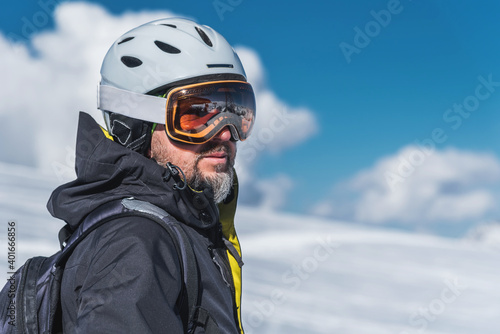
(196, 113)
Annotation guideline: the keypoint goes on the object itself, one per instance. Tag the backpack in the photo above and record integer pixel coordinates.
(31, 297)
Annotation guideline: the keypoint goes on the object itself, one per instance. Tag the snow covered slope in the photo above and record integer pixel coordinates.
(307, 275)
(304, 275)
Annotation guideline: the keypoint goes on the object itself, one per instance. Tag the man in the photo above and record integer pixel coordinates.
(175, 101)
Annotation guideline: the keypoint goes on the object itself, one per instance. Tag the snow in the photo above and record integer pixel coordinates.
(340, 278)
(487, 233)
(310, 275)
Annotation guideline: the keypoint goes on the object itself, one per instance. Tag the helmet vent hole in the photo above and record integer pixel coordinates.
(125, 40)
(167, 47)
(220, 65)
(169, 25)
(204, 36)
(131, 61)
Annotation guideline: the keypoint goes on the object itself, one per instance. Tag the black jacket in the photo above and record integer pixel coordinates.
(125, 276)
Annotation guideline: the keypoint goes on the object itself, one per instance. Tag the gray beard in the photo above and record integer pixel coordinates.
(220, 184)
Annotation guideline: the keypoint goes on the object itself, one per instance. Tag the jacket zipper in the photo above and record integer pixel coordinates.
(222, 263)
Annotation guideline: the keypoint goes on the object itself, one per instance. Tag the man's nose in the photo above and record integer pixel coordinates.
(224, 134)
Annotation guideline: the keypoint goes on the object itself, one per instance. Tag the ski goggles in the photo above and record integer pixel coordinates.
(196, 113)
(192, 113)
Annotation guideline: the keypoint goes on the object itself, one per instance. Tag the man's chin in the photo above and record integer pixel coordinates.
(219, 182)
(221, 172)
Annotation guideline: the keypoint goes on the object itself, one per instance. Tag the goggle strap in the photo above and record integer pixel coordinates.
(145, 107)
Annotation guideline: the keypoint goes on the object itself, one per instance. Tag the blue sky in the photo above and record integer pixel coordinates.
(395, 89)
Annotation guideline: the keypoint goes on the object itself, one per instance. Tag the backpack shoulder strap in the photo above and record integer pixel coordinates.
(189, 264)
(37, 282)
(127, 207)
(197, 316)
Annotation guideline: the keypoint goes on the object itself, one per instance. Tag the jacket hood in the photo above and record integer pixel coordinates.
(107, 171)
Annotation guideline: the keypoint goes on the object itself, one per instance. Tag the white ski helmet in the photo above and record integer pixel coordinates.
(155, 57)
(162, 52)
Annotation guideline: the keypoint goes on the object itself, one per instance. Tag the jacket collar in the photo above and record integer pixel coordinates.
(107, 171)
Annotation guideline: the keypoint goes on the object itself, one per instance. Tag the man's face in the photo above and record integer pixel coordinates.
(209, 164)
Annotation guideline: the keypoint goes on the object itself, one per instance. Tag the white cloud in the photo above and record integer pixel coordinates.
(274, 191)
(419, 187)
(254, 69)
(46, 82)
(278, 127)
